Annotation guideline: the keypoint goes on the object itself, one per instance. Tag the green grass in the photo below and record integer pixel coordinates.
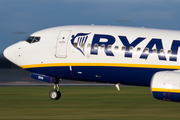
(131, 103)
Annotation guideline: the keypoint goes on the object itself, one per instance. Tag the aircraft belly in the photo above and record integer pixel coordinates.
(123, 75)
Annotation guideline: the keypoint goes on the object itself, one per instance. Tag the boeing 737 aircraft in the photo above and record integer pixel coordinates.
(107, 54)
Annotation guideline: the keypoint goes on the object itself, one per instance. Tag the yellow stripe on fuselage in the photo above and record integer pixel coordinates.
(165, 90)
(101, 64)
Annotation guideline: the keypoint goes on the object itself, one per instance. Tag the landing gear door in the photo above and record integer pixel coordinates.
(61, 45)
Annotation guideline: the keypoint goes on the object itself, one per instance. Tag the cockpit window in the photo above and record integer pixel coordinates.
(29, 39)
(32, 39)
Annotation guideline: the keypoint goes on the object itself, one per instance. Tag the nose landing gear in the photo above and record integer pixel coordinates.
(55, 94)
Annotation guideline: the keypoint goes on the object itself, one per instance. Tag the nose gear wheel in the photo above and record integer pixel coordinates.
(55, 94)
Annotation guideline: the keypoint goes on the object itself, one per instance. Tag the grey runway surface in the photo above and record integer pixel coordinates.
(19, 77)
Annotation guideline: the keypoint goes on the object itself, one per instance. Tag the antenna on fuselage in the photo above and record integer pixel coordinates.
(117, 86)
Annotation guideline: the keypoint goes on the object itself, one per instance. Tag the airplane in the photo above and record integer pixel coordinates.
(106, 54)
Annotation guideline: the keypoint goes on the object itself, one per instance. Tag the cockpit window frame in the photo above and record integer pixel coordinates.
(33, 39)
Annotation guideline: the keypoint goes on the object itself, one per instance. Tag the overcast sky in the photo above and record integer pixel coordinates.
(20, 18)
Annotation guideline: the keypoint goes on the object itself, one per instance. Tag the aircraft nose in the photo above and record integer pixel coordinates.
(9, 53)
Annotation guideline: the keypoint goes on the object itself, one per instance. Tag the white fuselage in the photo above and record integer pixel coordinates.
(84, 49)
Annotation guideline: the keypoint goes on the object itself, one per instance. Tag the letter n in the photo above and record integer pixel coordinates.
(174, 47)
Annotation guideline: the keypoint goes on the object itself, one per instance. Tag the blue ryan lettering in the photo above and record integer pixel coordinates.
(126, 43)
(159, 46)
(174, 47)
(96, 40)
(153, 42)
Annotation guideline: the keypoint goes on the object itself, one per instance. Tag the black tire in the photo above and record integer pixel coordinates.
(54, 95)
(59, 95)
